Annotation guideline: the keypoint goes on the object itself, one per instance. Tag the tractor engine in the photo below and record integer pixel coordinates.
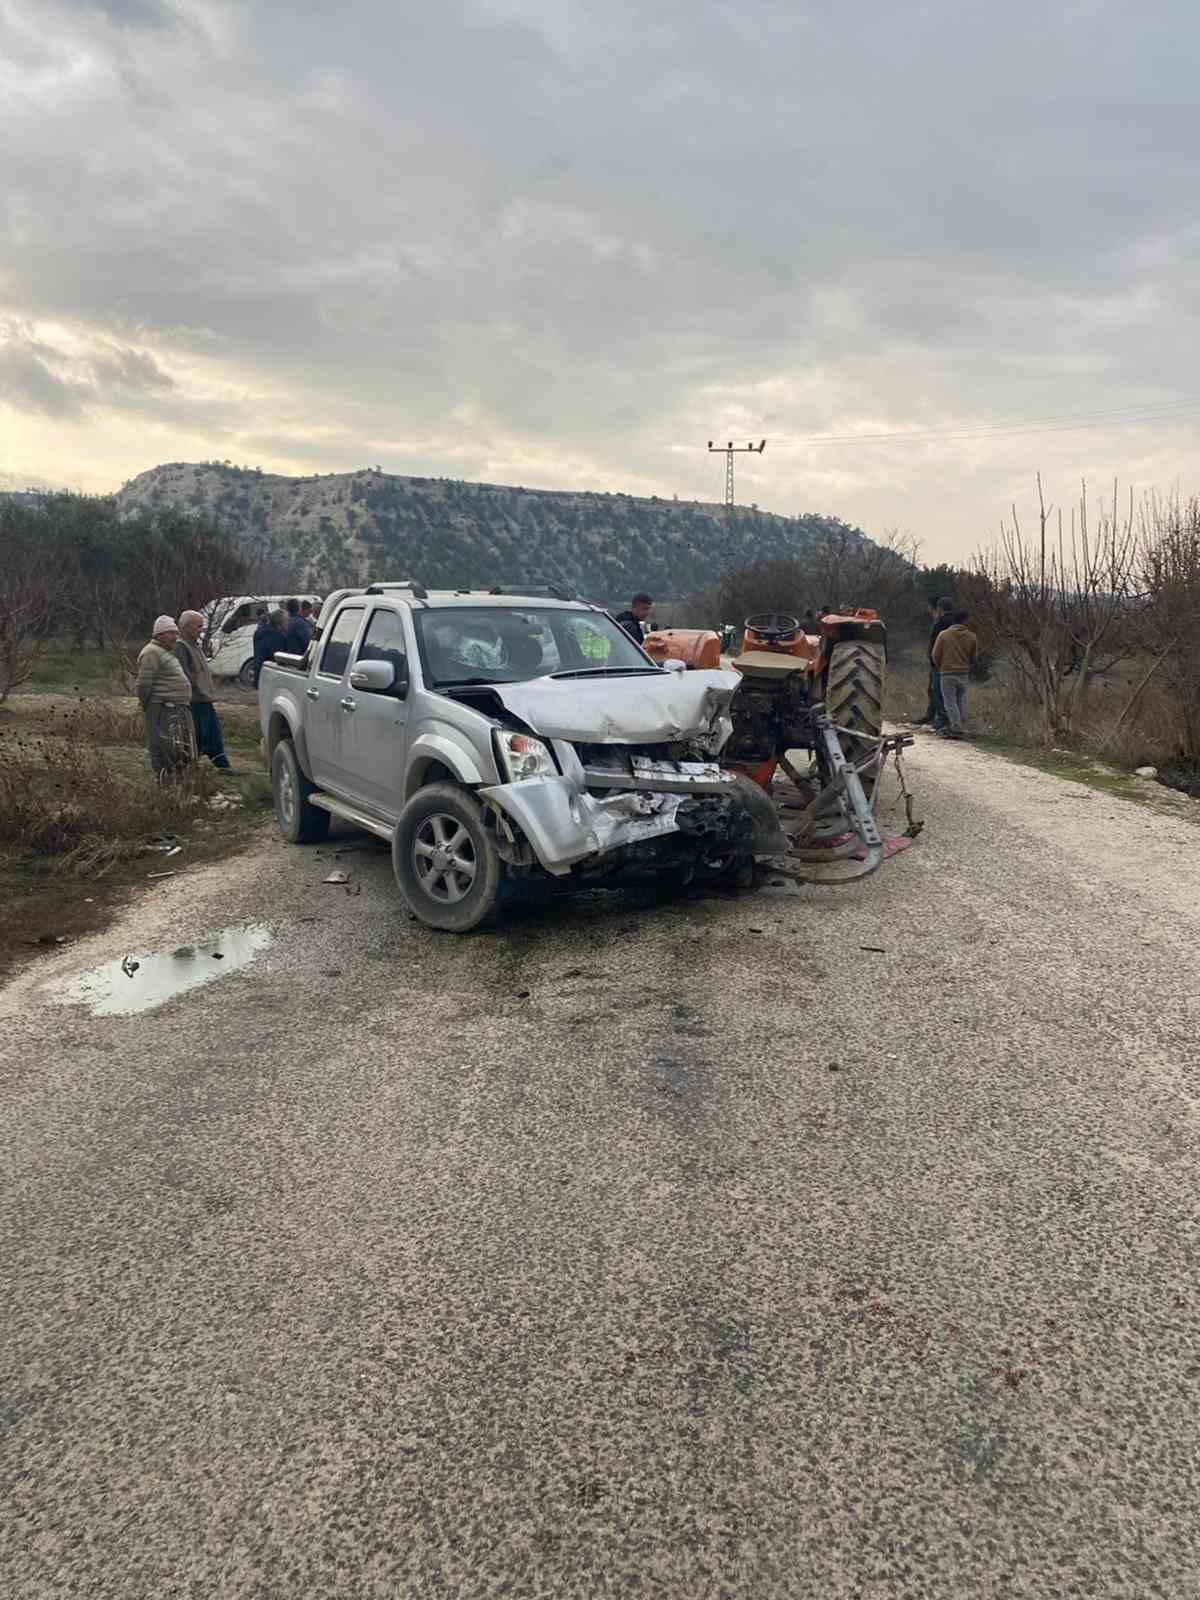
(770, 712)
(787, 672)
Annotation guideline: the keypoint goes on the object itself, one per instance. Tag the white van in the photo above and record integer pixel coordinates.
(229, 631)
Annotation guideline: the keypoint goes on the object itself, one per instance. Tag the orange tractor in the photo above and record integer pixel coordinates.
(818, 693)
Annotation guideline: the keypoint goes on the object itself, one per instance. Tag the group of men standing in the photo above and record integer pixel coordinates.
(174, 683)
(174, 687)
(288, 627)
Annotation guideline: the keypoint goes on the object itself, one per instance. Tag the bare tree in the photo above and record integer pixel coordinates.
(1061, 606)
(1169, 570)
(24, 619)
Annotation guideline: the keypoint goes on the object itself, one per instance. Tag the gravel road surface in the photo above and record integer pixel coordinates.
(818, 1243)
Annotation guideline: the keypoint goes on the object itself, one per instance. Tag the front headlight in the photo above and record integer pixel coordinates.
(520, 755)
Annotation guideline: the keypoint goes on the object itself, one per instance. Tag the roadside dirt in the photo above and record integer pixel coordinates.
(44, 905)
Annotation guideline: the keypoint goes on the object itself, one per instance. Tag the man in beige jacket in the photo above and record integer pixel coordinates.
(954, 651)
(165, 694)
(206, 725)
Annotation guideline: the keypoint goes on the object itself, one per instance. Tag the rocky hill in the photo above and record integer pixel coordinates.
(331, 529)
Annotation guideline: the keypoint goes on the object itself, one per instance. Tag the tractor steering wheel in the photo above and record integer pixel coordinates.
(774, 627)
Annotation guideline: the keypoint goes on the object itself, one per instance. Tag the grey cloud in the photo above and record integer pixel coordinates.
(128, 13)
(29, 383)
(578, 222)
(128, 373)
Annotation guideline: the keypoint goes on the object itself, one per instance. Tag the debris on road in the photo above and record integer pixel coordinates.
(337, 877)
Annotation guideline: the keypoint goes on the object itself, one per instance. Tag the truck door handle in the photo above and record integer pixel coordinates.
(348, 705)
(313, 694)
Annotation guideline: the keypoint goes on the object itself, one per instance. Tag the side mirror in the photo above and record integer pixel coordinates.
(672, 665)
(376, 677)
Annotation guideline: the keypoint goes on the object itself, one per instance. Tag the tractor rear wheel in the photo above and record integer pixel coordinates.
(854, 692)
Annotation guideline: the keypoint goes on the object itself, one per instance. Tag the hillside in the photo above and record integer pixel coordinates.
(321, 531)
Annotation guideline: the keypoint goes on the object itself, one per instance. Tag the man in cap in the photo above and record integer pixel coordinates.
(165, 694)
(205, 723)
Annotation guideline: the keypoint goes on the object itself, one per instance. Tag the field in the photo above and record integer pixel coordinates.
(998, 712)
(83, 824)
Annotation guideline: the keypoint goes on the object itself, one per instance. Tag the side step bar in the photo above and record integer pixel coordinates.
(352, 815)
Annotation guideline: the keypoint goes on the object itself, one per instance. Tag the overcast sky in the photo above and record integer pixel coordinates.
(565, 242)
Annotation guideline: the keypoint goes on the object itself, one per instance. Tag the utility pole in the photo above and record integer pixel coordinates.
(729, 451)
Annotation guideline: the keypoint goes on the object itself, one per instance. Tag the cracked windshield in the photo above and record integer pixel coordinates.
(484, 644)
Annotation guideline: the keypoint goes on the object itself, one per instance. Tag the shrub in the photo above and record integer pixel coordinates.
(66, 800)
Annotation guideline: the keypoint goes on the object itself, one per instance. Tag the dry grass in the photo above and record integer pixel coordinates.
(1000, 710)
(72, 804)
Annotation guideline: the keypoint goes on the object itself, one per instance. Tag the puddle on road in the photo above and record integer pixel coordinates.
(140, 982)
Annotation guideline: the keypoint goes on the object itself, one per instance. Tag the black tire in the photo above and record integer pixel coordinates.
(299, 821)
(246, 674)
(854, 691)
(445, 861)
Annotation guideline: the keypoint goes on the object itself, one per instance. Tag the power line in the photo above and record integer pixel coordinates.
(1164, 411)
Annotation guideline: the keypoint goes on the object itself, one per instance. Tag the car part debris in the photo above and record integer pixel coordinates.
(337, 877)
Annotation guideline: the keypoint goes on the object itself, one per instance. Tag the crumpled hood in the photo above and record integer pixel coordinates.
(654, 709)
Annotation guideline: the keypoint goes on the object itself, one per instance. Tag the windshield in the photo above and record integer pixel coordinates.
(491, 644)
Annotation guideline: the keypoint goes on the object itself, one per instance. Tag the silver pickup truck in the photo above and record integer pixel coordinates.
(492, 738)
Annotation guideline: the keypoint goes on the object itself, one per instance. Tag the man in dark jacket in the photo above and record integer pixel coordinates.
(268, 638)
(941, 615)
(299, 634)
(632, 620)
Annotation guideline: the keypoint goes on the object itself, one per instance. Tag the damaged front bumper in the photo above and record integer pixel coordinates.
(566, 823)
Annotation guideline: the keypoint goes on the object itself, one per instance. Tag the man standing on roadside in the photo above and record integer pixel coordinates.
(954, 651)
(205, 722)
(299, 634)
(940, 614)
(165, 695)
(632, 620)
(267, 639)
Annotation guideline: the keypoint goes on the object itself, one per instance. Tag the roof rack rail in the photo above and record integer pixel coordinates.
(418, 590)
(556, 591)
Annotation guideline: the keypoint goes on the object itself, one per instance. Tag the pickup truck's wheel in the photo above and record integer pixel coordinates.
(444, 859)
(299, 821)
(246, 673)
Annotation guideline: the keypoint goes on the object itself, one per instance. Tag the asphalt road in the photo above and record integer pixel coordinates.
(686, 1250)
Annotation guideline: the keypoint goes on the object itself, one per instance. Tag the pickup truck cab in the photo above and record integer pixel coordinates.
(492, 738)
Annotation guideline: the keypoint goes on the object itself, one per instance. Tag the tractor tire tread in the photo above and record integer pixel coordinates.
(854, 688)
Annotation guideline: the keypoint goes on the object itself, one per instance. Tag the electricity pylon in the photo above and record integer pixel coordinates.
(729, 451)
